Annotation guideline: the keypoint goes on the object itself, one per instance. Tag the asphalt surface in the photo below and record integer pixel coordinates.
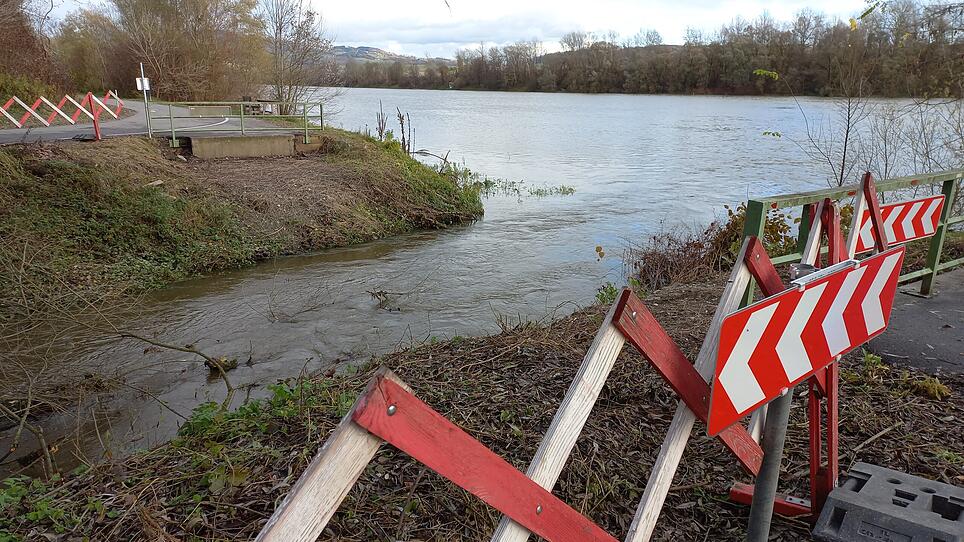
(927, 333)
(136, 124)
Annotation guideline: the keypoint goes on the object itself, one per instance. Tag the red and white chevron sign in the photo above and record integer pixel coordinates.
(771, 345)
(902, 222)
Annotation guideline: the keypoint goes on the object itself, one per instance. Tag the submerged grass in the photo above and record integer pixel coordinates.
(226, 471)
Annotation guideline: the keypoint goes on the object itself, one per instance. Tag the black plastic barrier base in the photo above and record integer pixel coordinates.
(876, 504)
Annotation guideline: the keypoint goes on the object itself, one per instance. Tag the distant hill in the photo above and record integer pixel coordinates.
(344, 54)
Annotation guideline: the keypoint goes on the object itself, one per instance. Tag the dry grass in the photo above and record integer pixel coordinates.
(223, 477)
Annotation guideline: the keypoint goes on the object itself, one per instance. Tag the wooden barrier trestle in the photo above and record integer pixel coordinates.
(388, 410)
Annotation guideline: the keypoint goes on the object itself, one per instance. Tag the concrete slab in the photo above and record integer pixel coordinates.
(243, 146)
(927, 333)
(210, 110)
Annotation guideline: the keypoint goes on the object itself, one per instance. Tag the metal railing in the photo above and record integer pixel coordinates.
(253, 112)
(757, 209)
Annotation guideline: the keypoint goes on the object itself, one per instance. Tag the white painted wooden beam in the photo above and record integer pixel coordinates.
(671, 452)
(566, 426)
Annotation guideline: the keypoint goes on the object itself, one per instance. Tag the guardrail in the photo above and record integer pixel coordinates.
(304, 112)
(757, 209)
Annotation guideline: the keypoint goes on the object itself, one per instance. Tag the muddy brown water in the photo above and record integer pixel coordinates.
(638, 164)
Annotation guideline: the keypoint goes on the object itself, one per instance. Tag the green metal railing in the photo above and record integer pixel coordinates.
(756, 212)
(301, 112)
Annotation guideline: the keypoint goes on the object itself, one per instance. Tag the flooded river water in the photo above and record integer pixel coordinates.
(637, 163)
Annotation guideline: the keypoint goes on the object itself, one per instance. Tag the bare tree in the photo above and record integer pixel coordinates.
(573, 41)
(880, 152)
(298, 47)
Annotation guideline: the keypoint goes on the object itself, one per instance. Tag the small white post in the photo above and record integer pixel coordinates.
(147, 102)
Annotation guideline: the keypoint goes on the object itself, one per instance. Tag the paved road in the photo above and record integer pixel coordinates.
(927, 333)
(136, 124)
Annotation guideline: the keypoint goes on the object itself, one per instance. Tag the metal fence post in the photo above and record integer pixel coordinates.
(147, 103)
(241, 118)
(937, 242)
(170, 113)
(804, 231)
(753, 224)
(304, 114)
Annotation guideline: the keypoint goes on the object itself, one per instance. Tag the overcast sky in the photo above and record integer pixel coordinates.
(429, 27)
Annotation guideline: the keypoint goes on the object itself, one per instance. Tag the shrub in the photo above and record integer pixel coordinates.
(25, 88)
(684, 255)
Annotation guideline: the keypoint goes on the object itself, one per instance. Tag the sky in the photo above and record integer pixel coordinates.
(432, 28)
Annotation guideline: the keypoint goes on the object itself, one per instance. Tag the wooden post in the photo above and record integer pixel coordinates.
(937, 241)
(569, 420)
(670, 453)
(860, 205)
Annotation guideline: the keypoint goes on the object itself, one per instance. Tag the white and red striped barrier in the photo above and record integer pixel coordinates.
(902, 222)
(90, 105)
(772, 345)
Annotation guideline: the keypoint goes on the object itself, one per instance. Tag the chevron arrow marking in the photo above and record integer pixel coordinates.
(737, 375)
(929, 219)
(871, 306)
(790, 348)
(775, 343)
(903, 221)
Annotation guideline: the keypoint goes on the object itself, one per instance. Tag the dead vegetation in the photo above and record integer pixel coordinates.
(225, 473)
(685, 256)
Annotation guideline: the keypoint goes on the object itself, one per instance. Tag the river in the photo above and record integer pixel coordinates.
(637, 163)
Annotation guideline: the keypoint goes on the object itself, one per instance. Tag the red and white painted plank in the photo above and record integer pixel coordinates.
(678, 434)
(313, 500)
(770, 346)
(410, 425)
(92, 102)
(641, 329)
(902, 222)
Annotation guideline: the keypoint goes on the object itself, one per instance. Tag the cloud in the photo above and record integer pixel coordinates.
(421, 26)
(417, 27)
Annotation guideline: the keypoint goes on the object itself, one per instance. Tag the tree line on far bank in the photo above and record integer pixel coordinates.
(903, 48)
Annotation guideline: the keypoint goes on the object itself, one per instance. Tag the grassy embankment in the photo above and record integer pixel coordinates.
(226, 471)
(127, 212)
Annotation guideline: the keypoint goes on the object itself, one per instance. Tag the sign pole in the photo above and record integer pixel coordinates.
(147, 103)
(765, 487)
(774, 439)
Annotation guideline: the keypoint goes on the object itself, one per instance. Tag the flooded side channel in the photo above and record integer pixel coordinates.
(638, 164)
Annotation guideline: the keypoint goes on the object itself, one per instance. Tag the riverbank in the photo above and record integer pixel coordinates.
(87, 229)
(129, 213)
(224, 474)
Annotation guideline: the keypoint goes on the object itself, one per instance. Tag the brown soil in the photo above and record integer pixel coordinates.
(347, 192)
(312, 201)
